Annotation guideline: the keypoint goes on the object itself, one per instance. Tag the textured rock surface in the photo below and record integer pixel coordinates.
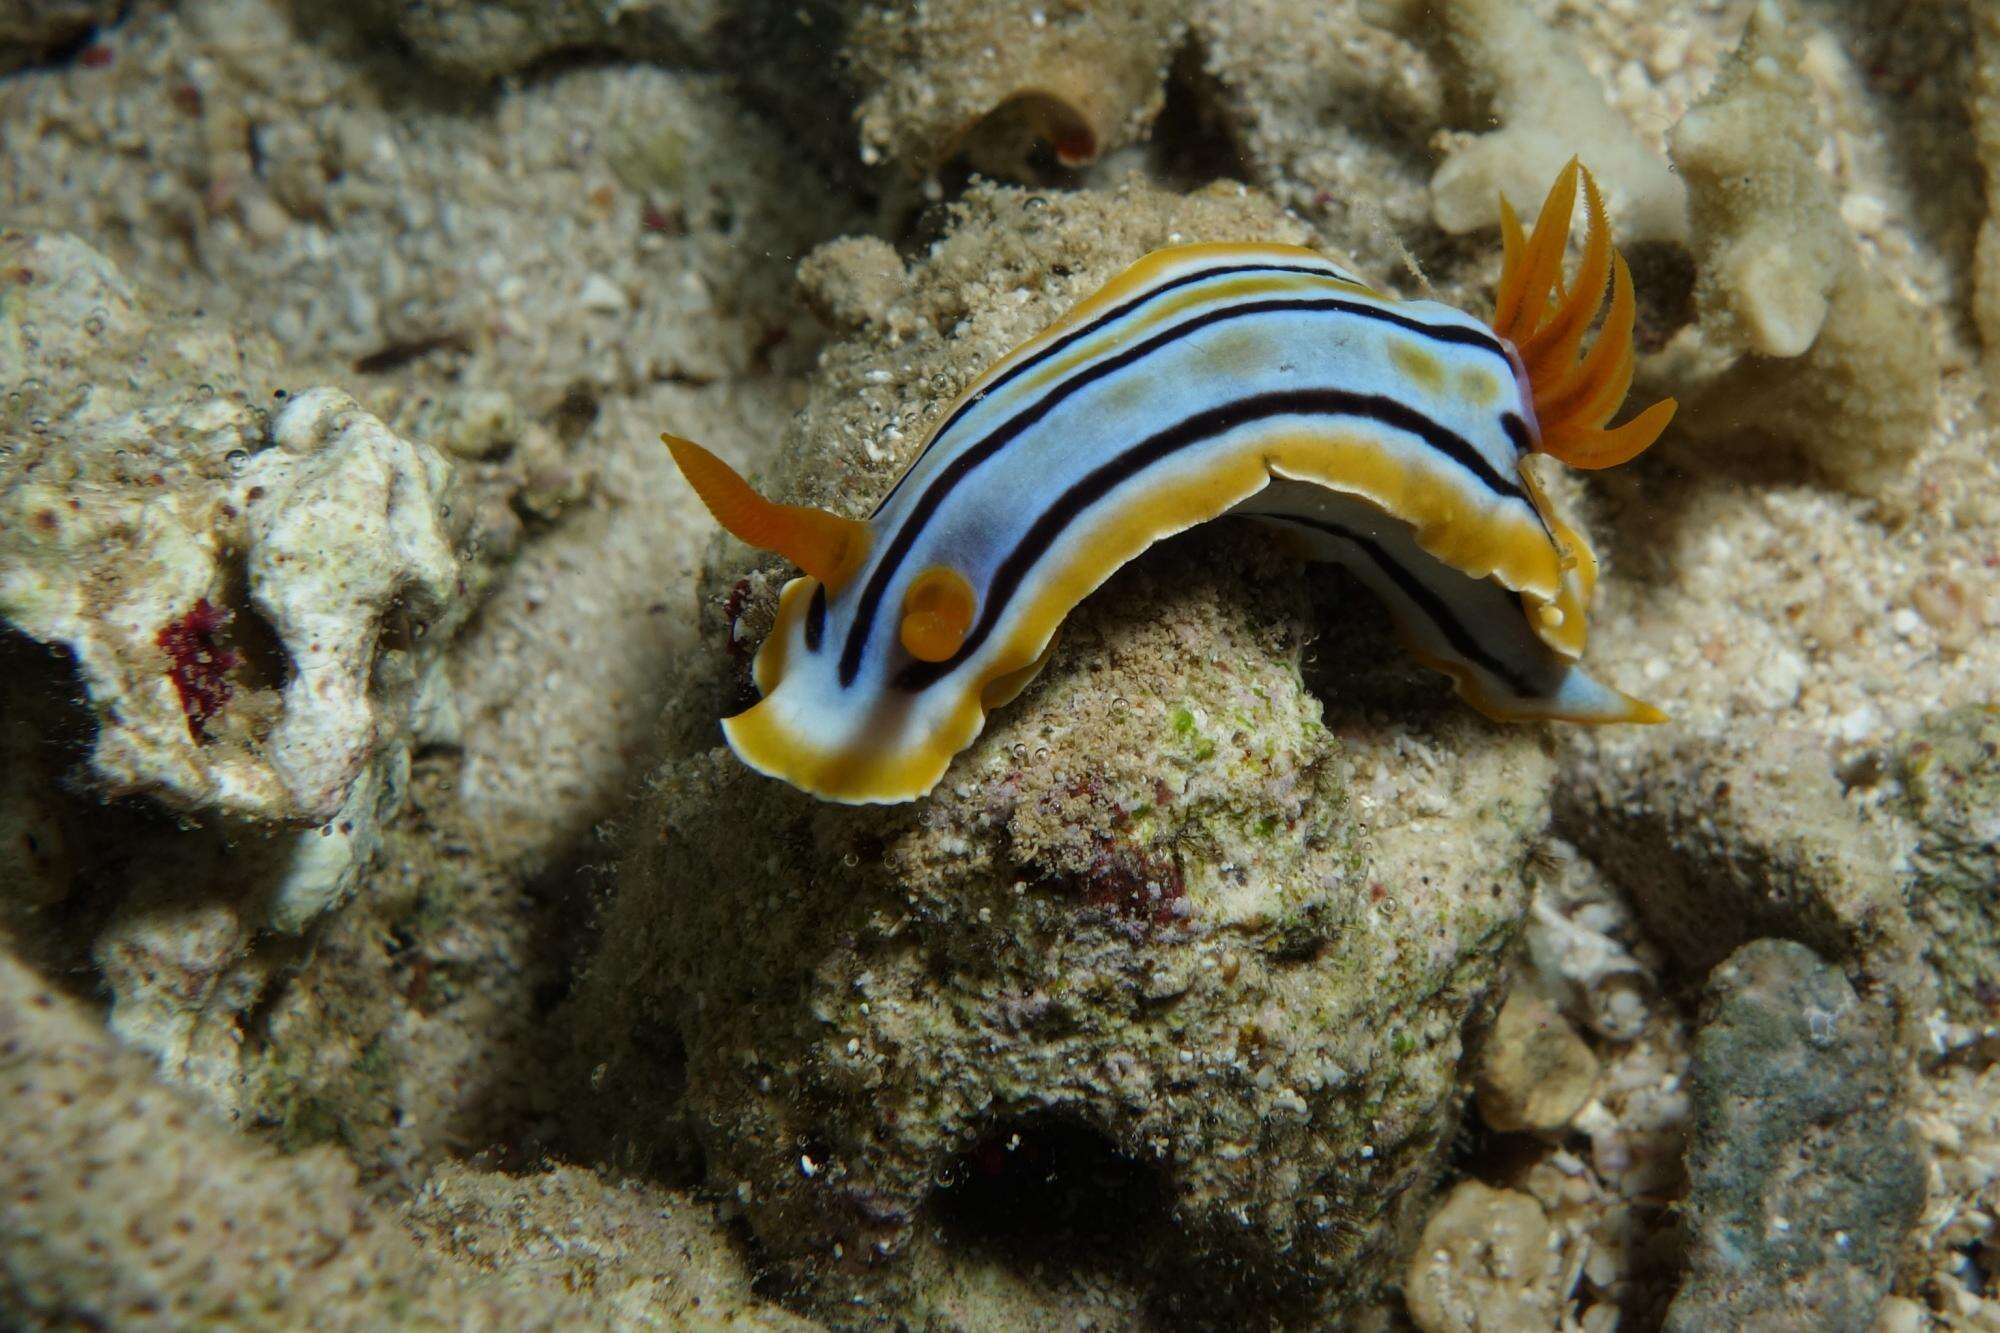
(481, 39)
(1159, 918)
(1004, 82)
(1986, 128)
(254, 591)
(1188, 969)
(532, 274)
(1487, 1262)
(30, 29)
(1534, 1072)
(1950, 768)
(132, 1205)
(1747, 841)
(1806, 1173)
(533, 286)
(637, 1256)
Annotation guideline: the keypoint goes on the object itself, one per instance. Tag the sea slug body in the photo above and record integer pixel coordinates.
(1265, 381)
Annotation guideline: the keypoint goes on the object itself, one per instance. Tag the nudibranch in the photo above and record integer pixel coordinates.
(1382, 435)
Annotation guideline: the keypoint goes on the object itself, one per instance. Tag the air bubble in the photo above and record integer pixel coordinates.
(204, 391)
(238, 459)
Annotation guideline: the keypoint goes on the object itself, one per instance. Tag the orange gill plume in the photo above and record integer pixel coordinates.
(1575, 392)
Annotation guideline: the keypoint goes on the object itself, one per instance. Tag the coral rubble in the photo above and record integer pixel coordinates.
(1487, 1260)
(1793, 329)
(1511, 68)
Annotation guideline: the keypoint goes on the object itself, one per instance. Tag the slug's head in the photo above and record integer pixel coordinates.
(1574, 392)
(842, 716)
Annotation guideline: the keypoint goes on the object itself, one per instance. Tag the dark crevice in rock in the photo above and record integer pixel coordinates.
(1045, 1189)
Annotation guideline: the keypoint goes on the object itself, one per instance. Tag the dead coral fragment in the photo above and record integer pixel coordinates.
(1003, 83)
(1487, 1260)
(1794, 335)
(1514, 69)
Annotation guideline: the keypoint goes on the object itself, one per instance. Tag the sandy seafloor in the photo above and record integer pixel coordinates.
(386, 940)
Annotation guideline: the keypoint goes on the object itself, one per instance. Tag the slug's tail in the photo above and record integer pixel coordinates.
(826, 546)
(1575, 392)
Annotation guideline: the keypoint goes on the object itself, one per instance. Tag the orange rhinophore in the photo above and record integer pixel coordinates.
(826, 546)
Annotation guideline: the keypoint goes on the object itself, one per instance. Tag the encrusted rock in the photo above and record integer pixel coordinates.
(254, 604)
(632, 1255)
(1722, 841)
(1332, 119)
(1950, 769)
(1986, 127)
(127, 1204)
(130, 1204)
(1806, 1176)
(1488, 1263)
(1004, 82)
(1534, 1073)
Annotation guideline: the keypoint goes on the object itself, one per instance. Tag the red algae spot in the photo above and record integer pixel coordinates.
(1130, 883)
(96, 57)
(200, 666)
